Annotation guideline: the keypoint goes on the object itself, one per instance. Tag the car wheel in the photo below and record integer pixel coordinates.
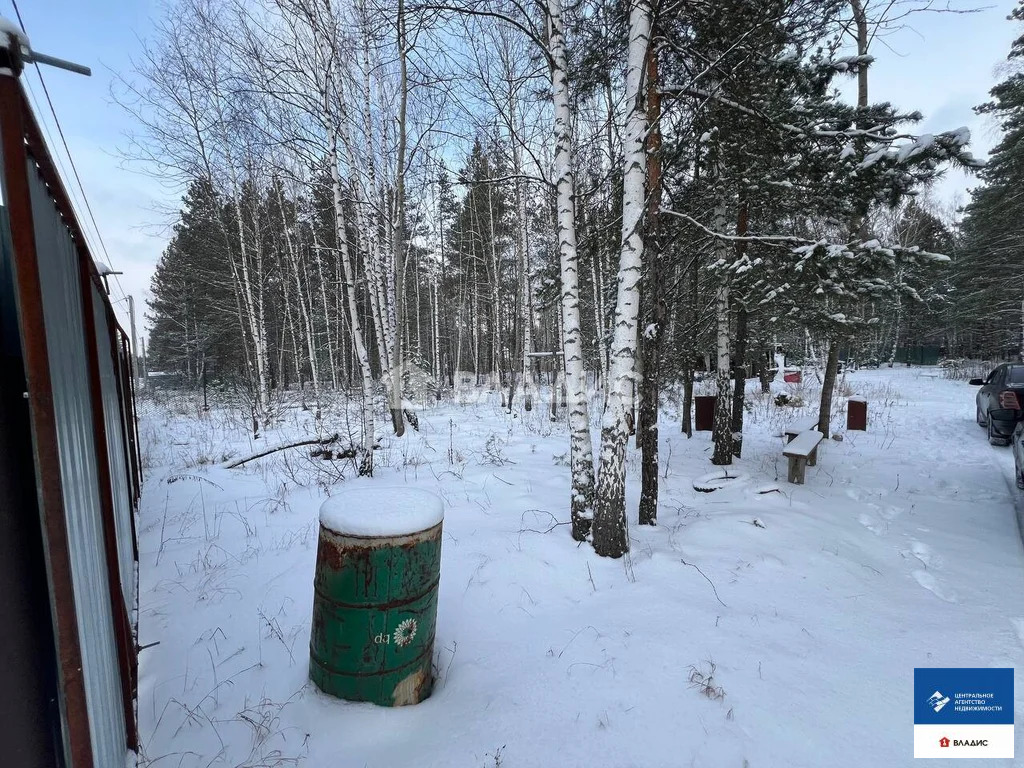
(995, 439)
(982, 421)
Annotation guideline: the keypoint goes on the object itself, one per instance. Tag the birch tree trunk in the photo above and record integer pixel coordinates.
(692, 286)
(328, 325)
(368, 229)
(595, 282)
(253, 316)
(304, 303)
(722, 430)
(740, 383)
(581, 451)
(526, 296)
(722, 434)
(475, 318)
(496, 340)
(739, 389)
(654, 316)
(368, 199)
(436, 340)
(255, 350)
(444, 351)
(358, 344)
(398, 233)
(610, 535)
(375, 277)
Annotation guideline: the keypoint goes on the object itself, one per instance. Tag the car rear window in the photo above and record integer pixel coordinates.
(1016, 375)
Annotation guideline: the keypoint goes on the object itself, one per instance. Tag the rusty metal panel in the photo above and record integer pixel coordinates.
(72, 706)
(115, 434)
(30, 722)
(63, 315)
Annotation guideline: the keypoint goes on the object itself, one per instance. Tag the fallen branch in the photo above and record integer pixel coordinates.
(709, 581)
(313, 441)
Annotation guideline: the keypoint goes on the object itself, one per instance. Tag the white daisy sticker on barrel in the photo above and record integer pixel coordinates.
(405, 633)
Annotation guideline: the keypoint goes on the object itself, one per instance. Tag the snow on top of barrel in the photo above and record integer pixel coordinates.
(381, 511)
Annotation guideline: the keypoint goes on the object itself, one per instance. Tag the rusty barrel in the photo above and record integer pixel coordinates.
(375, 595)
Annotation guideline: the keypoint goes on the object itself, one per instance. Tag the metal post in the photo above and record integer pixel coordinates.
(131, 317)
(143, 363)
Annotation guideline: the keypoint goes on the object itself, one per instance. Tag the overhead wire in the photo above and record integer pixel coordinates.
(67, 151)
(58, 158)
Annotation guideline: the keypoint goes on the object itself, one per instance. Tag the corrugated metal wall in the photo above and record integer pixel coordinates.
(59, 276)
(30, 721)
(117, 450)
(84, 447)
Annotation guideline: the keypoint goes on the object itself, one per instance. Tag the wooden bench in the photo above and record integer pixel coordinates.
(801, 451)
(799, 427)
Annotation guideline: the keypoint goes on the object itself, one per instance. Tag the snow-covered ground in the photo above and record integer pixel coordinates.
(752, 627)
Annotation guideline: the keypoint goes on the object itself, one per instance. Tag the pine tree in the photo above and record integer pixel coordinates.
(990, 275)
(195, 330)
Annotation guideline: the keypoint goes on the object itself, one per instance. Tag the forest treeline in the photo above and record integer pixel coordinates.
(387, 198)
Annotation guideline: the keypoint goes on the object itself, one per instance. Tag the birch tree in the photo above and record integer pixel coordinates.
(581, 452)
(398, 226)
(610, 534)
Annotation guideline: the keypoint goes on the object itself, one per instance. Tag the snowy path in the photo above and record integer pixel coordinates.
(808, 607)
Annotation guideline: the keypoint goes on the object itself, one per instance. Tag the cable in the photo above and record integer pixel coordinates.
(58, 159)
(67, 151)
(76, 203)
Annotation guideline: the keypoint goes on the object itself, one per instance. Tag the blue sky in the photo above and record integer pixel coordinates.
(942, 66)
(102, 34)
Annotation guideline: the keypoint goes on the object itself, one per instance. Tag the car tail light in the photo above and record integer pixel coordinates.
(1008, 399)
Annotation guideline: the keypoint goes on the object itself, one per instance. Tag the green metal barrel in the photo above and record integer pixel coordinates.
(375, 595)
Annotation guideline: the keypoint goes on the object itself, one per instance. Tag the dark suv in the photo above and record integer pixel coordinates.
(999, 401)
